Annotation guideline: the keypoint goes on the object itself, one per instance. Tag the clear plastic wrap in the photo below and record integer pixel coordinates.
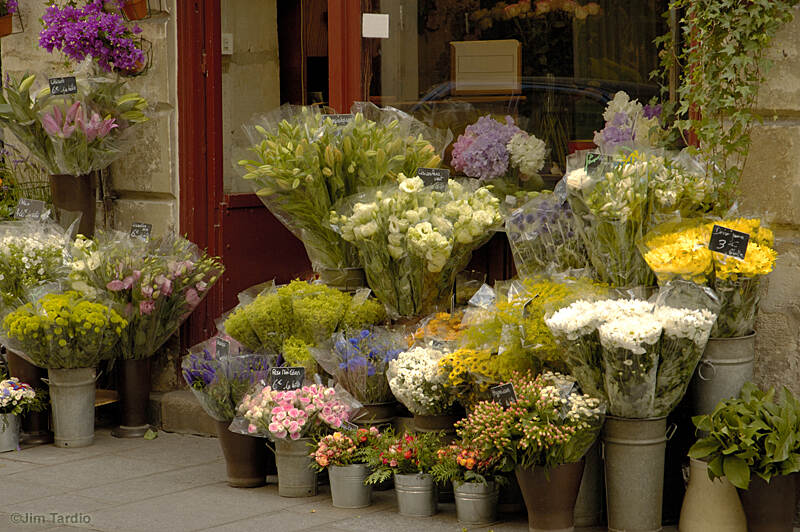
(417, 381)
(442, 330)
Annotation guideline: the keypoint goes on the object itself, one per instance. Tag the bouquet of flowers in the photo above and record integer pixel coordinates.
(413, 239)
(64, 330)
(220, 383)
(461, 462)
(549, 425)
(359, 359)
(438, 329)
(628, 124)
(8, 7)
(489, 149)
(157, 283)
(417, 381)
(304, 164)
(31, 254)
(680, 251)
(344, 448)
(17, 398)
(544, 237)
(403, 455)
(307, 412)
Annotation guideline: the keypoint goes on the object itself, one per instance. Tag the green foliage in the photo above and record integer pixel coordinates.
(402, 454)
(753, 434)
(723, 64)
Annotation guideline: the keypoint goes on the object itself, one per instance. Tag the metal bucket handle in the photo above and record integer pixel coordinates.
(700, 370)
(671, 430)
(47, 381)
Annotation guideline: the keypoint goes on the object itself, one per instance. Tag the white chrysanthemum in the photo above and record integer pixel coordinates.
(686, 323)
(527, 153)
(576, 320)
(631, 333)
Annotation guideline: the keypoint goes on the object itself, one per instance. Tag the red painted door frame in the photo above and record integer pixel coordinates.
(344, 53)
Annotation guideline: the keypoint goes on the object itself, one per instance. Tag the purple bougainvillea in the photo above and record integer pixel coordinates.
(9, 7)
(88, 31)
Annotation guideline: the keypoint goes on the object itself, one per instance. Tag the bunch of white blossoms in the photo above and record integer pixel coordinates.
(527, 153)
(418, 383)
(28, 260)
(632, 333)
(694, 325)
(583, 317)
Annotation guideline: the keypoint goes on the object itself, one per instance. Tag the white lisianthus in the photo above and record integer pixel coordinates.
(410, 185)
(366, 230)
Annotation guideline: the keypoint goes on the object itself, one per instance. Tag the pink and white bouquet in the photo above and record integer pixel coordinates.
(306, 412)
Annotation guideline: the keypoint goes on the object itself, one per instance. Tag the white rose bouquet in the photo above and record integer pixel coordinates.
(418, 382)
(414, 239)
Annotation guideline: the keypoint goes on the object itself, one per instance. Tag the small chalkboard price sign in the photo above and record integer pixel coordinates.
(728, 242)
(433, 176)
(504, 394)
(65, 85)
(593, 160)
(141, 230)
(29, 208)
(286, 379)
(340, 120)
(223, 348)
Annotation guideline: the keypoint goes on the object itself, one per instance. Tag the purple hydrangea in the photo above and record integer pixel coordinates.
(89, 31)
(652, 111)
(481, 151)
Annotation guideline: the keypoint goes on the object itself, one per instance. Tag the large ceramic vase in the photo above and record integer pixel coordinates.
(710, 505)
(770, 506)
(550, 495)
(295, 476)
(133, 387)
(35, 426)
(76, 194)
(245, 457)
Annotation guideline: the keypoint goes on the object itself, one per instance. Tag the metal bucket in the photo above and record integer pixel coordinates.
(295, 476)
(710, 505)
(416, 495)
(245, 458)
(633, 450)
(347, 486)
(589, 505)
(726, 365)
(476, 502)
(9, 432)
(375, 414)
(72, 396)
(444, 423)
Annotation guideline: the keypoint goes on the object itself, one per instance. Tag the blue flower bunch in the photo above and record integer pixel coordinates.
(200, 369)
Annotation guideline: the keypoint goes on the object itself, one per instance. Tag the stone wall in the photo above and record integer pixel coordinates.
(770, 187)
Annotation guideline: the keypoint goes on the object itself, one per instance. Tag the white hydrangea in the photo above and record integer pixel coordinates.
(527, 153)
(622, 103)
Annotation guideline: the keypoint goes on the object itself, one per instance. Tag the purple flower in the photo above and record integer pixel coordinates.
(652, 111)
(116, 285)
(11, 6)
(164, 284)
(481, 151)
(146, 307)
(192, 298)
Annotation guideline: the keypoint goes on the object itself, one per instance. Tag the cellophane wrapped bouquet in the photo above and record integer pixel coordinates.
(293, 318)
(680, 251)
(358, 360)
(64, 330)
(618, 200)
(220, 381)
(629, 124)
(157, 284)
(414, 239)
(303, 164)
(17, 398)
(343, 448)
(636, 355)
(417, 381)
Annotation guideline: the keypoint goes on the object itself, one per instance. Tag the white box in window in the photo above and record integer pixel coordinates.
(486, 67)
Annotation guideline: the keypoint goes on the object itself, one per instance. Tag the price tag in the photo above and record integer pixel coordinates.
(141, 230)
(433, 176)
(439, 345)
(223, 348)
(728, 242)
(504, 394)
(596, 160)
(346, 425)
(28, 208)
(286, 379)
(65, 85)
(340, 120)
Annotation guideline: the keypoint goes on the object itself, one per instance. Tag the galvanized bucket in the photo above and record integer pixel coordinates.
(589, 505)
(726, 365)
(347, 486)
(416, 495)
(346, 280)
(295, 476)
(375, 414)
(72, 397)
(476, 502)
(710, 505)
(9, 432)
(633, 450)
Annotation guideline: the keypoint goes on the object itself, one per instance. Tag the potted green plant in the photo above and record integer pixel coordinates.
(16, 398)
(344, 454)
(754, 442)
(409, 458)
(543, 436)
(7, 10)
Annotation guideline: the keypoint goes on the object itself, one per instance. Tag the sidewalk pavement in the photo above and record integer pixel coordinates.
(177, 483)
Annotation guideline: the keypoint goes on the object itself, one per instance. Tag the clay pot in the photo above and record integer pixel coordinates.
(135, 9)
(550, 495)
(770, 506)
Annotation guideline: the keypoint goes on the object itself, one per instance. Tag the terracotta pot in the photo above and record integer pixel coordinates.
(35, 425)
(76, 194)
(245, 457)
(6, 25)
(550, 496)
(135, 9)
(770, 507)
(133, 386)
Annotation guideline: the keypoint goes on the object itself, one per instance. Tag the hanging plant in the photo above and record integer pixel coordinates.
(88, 31)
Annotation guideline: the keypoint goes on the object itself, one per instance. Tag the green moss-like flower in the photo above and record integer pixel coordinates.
(297, 353)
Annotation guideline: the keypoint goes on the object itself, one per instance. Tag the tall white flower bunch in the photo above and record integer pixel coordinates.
(417, 381)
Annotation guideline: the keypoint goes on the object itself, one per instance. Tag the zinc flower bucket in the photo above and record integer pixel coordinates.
(9, 432)
(347, 486)
(295, 476)
(72, 394)
(416, 495)
(589, 505)
(476, 502)
(726, 365)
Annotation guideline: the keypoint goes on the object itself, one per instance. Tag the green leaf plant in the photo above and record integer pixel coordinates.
(754, 434)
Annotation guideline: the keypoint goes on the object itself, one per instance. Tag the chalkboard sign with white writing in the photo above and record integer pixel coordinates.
(504, 394)
(729, 242)
(286, 379)
(223, 348)
(29, 208)
(65, 85)
(433, 176)
(141, 230)
(340, 120)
